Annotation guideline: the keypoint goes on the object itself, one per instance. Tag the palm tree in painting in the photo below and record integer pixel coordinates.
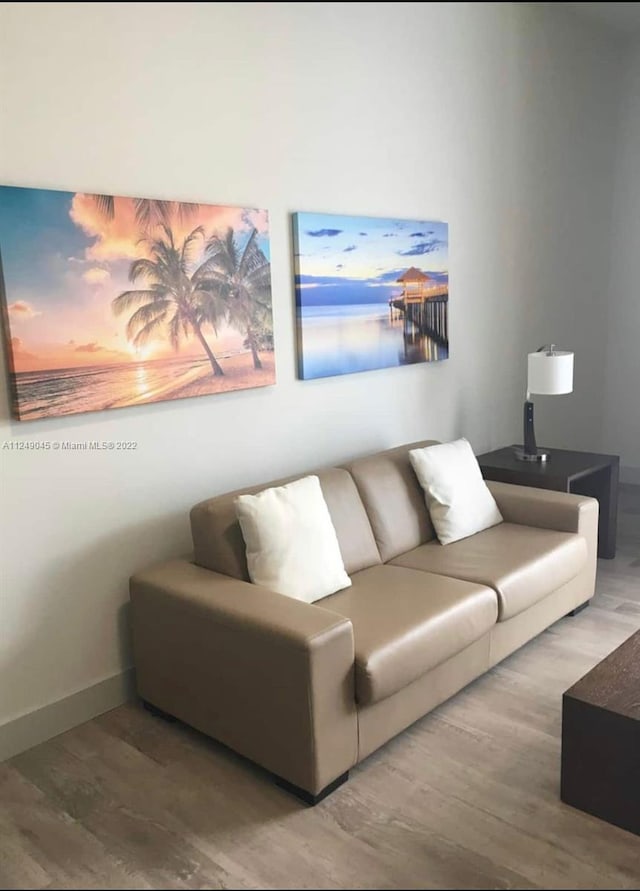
(241, 278)
(149, 211)
(173, 299)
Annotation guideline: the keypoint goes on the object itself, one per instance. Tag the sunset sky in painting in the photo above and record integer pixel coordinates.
(63, 263)
(350, 259)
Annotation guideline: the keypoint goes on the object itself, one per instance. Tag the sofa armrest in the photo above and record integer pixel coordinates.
(269, 676)
(546, 508)
(549, 509)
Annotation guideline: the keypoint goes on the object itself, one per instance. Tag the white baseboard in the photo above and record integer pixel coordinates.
(35, 727)
(630, 475)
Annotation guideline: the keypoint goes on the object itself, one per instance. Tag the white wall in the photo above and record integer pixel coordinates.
(622, 406)
(495, 117)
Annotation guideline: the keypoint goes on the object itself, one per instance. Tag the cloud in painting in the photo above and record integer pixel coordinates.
(418, 235)
(18, 344)
(319, 233)
(257, 219)
(92, 347)
(96, 275)
(319, 281)
(120, 237)
(423, 247)
(20, 352)
(363, 233)
(351, 247)
(21, 309)
(390, 235)
(114, 238)
(392, 275)
(106, 354)
(327, 290)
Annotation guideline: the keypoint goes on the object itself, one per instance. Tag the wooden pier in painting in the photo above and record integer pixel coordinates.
(423, 304)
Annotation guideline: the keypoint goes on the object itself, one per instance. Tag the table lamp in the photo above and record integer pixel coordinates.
(550, 373)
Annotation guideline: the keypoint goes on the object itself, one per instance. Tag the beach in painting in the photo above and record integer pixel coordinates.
(370, 293)
(98, 387)
(111, 302)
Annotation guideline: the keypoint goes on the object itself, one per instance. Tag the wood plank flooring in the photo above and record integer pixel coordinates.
(466, 798)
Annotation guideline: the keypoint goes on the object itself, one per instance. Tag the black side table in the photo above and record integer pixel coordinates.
(600, 771)
(584, 473)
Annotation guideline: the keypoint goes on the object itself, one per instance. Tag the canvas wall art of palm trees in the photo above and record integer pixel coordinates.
(111, 302)
(370, 292)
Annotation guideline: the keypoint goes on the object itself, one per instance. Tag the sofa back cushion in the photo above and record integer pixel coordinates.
(217, 538)
(394, 500)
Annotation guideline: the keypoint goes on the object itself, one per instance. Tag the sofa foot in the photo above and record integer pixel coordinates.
(308, 797)
(578, 609)
(158, 712)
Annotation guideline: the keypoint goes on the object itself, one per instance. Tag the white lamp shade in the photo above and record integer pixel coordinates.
(550, 373)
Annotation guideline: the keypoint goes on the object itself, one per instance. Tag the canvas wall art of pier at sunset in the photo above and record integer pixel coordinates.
(370, 292)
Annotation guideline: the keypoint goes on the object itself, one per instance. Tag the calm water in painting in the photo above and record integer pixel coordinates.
(343, 339)
(70, 390)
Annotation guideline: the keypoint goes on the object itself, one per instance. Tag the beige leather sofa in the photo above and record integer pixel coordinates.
(309, 690)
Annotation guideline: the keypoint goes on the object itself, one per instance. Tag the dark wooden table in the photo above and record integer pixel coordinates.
(585, 473)
(601, 739)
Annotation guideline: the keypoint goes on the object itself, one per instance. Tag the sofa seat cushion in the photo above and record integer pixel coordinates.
(406, 622)
(522, 564)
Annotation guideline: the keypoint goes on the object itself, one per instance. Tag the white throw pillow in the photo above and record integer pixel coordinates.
(459, 502)
(292, 546)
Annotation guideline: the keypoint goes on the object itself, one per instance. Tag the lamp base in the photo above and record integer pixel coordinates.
(539, 455)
